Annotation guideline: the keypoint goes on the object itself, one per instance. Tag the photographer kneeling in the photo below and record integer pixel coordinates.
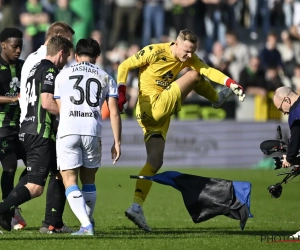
(288, 102)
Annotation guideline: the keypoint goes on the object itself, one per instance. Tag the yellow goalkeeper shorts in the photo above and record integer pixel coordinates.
(154, 113)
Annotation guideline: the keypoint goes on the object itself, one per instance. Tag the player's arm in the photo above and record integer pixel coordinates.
(49, 103)
(115, 119)
(116, 126)
(57, 91)
(47, 92)
(143, 57)
(216, 76)
(294, 142)
(8, 99)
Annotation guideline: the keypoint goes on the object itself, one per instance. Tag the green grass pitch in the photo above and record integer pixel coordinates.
(166, 214)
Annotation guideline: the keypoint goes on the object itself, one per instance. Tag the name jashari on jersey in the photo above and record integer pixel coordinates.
(82, 89)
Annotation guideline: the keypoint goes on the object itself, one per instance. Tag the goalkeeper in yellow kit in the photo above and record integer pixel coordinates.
(161, 95)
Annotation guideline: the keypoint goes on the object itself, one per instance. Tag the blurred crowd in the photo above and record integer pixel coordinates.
(256, 42)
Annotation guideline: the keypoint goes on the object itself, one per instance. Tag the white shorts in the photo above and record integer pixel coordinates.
(74, 151)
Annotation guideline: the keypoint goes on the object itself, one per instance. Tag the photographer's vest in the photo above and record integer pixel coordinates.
(33, 29)
(294, 112)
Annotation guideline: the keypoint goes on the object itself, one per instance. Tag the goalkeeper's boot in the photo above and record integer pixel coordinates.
(5, 219)
(89, 231)
(223, 95)
(136, 215)
(18, 222)
(295, 236)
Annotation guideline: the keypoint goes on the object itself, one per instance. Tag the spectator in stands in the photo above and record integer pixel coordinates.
(273, 79)
(214, 23)
(256, 8)
(36, 21)
(236, 53)
(97, 35)
(216, 59)
(288, 13)
(153, 19)
(269, 55)
(296, 79)
(287, 53)
(184, 14)
(252, 78)
(8, 7)
(125, 11)
(64, 13)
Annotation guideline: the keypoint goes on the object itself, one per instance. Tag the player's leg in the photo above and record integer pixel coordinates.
(193, 81)
(91, 153)
(70, 161)
(18, 222)
(155, 150)
(155, 123)
(37, 150)
(205, 89)
(9, 164)
(87, 177)
(55, 200)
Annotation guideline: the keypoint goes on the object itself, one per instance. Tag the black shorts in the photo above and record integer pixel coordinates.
(10, 144)
(41, 157)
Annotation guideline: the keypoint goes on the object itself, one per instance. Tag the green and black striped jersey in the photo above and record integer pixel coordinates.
(38, 121)
(10, 86)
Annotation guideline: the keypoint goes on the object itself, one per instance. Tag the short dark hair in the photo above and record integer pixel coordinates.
(188, 35)
(59, 28)
(58, 43)
(7, 33)
(88, 47)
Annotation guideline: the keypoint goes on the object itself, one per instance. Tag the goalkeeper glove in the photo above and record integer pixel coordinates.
(236, 88)
(122, 98)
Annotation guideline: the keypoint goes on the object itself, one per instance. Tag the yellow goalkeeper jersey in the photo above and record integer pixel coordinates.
(159, 68)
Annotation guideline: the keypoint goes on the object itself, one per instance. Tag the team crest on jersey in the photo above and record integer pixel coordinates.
(49, 77)
(14, 84)
(168, 75)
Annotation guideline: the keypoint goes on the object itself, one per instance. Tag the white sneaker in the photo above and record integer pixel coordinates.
(138, 218)
(295, 236)
(224, 94)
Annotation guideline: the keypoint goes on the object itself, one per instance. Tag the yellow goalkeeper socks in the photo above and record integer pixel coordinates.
(142, 187)
(205, 89)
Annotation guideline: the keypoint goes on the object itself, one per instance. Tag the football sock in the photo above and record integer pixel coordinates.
(17, 197)
(49, 199)
(142, 187)
(77, 204)
(90, 196)
(23, 179)
(9, 164)
(58, 203)
(7, 183)
(205, 89)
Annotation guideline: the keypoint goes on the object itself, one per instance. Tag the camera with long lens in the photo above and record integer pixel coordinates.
(269, 147)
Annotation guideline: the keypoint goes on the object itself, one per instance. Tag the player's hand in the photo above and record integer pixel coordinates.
(285, 163)
(122, 101)
(236, 88)
(115, 152)
(14, 99)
